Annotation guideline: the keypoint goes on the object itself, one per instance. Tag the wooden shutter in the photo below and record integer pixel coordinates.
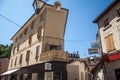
(15, 60)
(39, 32)
(11, 62)
(37, 51)
(30, 39)
(18, 47)
(20, 61)
(110, 43)
(28, 55)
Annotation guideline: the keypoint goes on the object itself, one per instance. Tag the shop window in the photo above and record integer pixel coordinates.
(27, 55)
(30, 39)
(110, 43)
(39, 32)
(37, 52)
(21, 57)
(106, 22)
(119, 12)
(57, 76)
(15, 61)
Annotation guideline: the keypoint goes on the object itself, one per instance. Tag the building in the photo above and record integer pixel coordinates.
(109, 32)
(38, 47)
(3, 65)
(77, 70)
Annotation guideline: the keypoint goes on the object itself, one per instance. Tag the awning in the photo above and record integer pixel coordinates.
(112, 57)
(9, 72)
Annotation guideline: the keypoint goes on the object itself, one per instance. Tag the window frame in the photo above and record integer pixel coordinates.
(110, 43)
(118, 11)
(106, 22)
(37, 52)
(27, 55)
(15, 61)
(21, 57)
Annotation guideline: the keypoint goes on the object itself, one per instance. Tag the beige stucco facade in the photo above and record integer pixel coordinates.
(77, 70)
(109, 32)
(52, 24)
(112, 28)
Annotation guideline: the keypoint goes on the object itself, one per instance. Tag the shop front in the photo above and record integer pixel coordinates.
(53, 70)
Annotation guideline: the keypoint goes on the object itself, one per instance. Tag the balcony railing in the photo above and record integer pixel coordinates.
(54, 55)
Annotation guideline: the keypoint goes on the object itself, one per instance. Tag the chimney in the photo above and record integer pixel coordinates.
(57, 5)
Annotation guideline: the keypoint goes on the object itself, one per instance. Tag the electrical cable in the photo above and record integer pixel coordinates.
(10, 20)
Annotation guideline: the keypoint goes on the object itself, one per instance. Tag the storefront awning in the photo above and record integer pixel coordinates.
(112, 57)
(9, 72)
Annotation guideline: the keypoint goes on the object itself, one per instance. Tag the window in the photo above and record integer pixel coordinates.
(28, 55)
(20, 35)
(119, 12)
(37, 52)
(18, 47)
(11, 62)
(16, 39)
(25, 32)
(0, 66)
(106, 22)
(53, 47)
(110, 43)
(30, 39)
(42, 16)
(21, 56)
(119, 32)
(32, 25)
(15, 61)
(14, 49)
(39, 32)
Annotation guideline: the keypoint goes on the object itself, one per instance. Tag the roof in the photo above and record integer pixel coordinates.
(33, 16)
(114, 2)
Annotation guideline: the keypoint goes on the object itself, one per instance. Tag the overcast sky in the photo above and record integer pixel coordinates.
(80, 31)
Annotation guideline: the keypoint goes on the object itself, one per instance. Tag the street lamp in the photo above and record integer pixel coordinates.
(37, 5)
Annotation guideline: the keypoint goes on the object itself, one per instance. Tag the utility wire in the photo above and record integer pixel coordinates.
(10, 20)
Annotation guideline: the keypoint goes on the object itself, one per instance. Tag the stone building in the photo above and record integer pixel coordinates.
(38, 47)
(3, 65)
(77, 69)
(109, 32)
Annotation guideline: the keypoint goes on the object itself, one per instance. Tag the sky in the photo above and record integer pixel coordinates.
(80, 31)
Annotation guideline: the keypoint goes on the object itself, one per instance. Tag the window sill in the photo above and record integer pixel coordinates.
(108, 26)
(118, 19)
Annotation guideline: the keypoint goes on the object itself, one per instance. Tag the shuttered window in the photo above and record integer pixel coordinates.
(28, 55)
(11, 62)
(119, 12)
(30, 39)
(37, 52)
(39, 32)
(32, 25)
(106, 22)
(14, 49)
(15, 61)
(18, 47)
(110, 43)
(21, 56)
